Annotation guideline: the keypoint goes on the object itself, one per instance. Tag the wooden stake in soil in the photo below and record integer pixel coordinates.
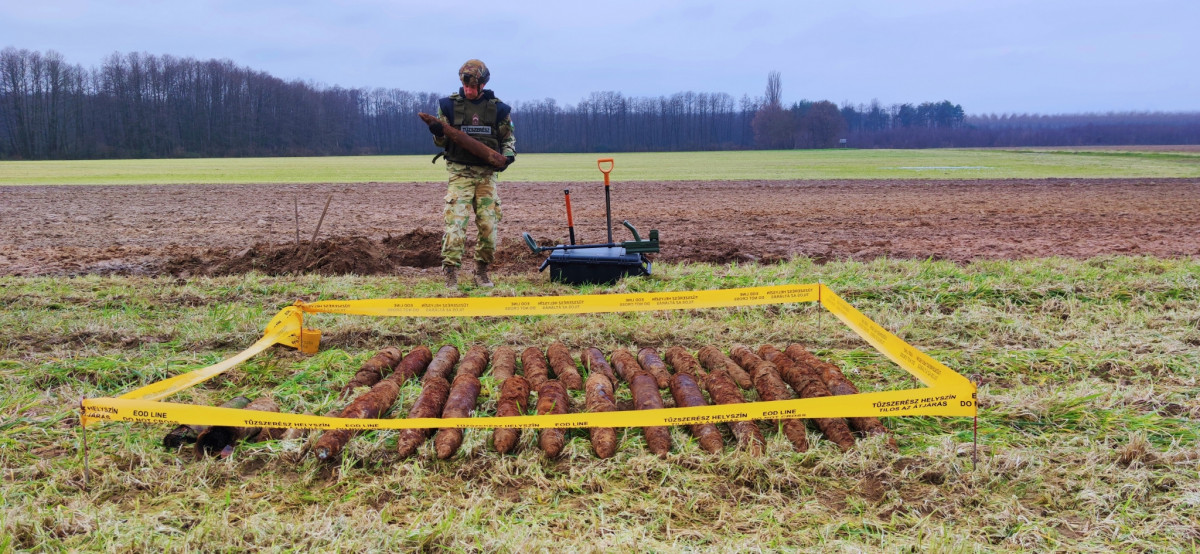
(186, 434)
(838, 385)
(373, 403)
(564, 366)
(317, 230)
(652, 364)
(714, 360)
(598, 393)
(464, 392)
(220, 439)
(808, 385)
(723, 390)
(770, 387)
(374, 369)
(645, 397)
(533, 365)
(553, 399)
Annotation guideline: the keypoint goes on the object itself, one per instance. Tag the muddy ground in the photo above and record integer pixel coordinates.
(382, 228)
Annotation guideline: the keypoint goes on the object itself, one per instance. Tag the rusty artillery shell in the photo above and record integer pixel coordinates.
(533, 365)
(770, 387)
(652, 364)
(553, 399)
(598, 393)
(474, 362)
(374, 369)
(463, 394)
(504, 363)
(713, 359)
(186, 434)
(221, 438)
(684, 362)
(686, 393)
(723, 390)
(809, 385)
(645, 397)
(432, 399)
(469, 143)
(373, 403)
(838, 385)
(563, 366)
(594, 361)
(514, 401)
(443, 363)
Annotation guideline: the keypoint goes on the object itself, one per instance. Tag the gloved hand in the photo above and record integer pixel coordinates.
(508, 161)
(437, 130)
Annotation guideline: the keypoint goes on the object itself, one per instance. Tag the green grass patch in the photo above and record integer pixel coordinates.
(663, 166)
(1089, 420)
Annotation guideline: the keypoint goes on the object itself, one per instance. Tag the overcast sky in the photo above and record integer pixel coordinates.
(998, 56)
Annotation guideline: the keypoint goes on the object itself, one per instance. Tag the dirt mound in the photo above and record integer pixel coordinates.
(354, 255)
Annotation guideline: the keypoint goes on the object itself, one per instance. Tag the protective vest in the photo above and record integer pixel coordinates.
(479, 119)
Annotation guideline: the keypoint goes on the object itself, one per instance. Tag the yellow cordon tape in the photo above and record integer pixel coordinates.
(947, 393)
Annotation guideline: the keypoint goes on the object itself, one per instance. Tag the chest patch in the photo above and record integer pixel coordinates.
(477, 129)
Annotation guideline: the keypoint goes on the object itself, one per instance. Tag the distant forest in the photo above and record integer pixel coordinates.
(138, 105)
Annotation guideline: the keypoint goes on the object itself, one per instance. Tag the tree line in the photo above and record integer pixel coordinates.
(141, 105)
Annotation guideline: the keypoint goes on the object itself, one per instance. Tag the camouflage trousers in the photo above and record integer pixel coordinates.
(471, 189)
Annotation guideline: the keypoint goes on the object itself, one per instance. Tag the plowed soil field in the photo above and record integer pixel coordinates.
(383, 228)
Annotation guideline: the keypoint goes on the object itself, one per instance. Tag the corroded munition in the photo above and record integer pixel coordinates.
(594, 361)
(770, 387)
(533, 366)
(624, 364)
(504, 363)
(220, 438)
(468, 143)
(553, 399)
(809, 385)
(374, 369)
(474, 362)
(514, 401)
(429, 403)
(186, 434)
(598, 392)
(838, 385)
(684, 362)
(649, 360)
(564, 366)
(373, 403)
(714, 360)
(645, 397)
(723, 390)
(687, 394)
(443, 363)
(463, 394)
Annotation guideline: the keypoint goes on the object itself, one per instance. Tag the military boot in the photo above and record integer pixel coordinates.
(451, 276)
(481, 276)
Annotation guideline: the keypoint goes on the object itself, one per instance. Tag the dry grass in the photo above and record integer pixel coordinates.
(1089, 427)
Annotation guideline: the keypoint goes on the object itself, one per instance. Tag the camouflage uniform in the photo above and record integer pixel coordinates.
(473, 188)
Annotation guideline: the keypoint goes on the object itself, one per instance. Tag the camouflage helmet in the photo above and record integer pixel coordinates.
(474, 72)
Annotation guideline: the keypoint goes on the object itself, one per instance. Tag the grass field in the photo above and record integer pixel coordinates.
(753, 165)
(1088, 375)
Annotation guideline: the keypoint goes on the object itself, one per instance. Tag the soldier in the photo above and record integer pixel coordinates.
(472, 187)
